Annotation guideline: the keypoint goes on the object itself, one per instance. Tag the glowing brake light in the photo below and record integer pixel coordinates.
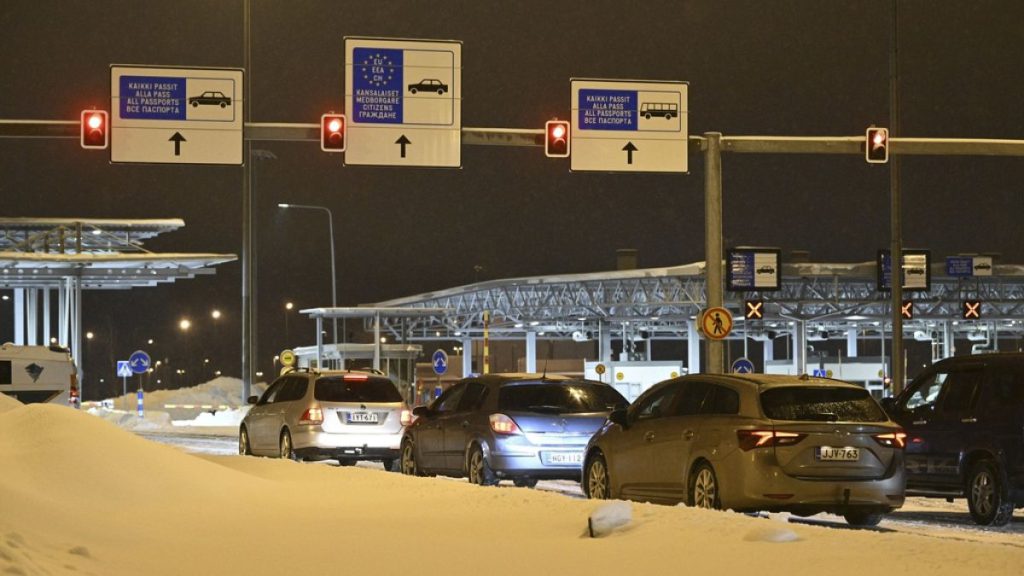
(750, 439)
(355, 377)
(502, 424)
(313, 415)
(892, 439)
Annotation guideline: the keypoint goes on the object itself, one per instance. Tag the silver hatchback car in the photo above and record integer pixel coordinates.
(753, 443)
(309, 415)
(519, 427)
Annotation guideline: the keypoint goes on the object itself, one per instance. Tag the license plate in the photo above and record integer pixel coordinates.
(563, 458)
(362, 417)
(834, 454)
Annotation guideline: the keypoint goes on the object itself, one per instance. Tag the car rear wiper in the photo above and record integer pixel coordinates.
(823, 417)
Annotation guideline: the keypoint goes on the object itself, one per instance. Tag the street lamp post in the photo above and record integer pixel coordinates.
(330, 229)
(287, 337)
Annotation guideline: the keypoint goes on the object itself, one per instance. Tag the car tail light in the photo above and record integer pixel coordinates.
(312, 415)
(892, 439)
(355, 377)
(406, 415)
(750, 439)
(502, 424)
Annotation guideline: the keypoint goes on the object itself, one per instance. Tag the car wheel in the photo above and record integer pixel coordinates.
(286, 450)
(195, 104)
(412, 90)
(408, 464)
(863, 519)
(223, 105)
(595, 479)
(525, 482)
(987, 495)
(704, 489)
(243, 442)
(440, 92)
(479, 471)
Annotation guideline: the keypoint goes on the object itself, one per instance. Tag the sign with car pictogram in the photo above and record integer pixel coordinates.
(753, 269)
(716, 323)
(403, 100)
(629, 126)
(176, 115)
(917, 275)
(968, 266)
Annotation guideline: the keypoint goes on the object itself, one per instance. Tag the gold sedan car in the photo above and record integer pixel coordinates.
(752, 443)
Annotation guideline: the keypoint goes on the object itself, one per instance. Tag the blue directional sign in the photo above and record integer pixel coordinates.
(139, 362)
(439, 362)
(124, 370)
(820, 373)
(377, 85)
(742, 366)
(608, 109)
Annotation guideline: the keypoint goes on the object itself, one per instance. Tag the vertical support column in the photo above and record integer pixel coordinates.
(486, 368)
(467, 357)
(376, 341)
(769, 353)
(948, 348)
(319, 342)
(605, 336)
(531, 351)
(45, 292)
(851, 343)
(19, 316)
(76, 333)
(713, 241)
(799, 347)
(32, 316)
(647, 348)
(64, 312)
(692, 348)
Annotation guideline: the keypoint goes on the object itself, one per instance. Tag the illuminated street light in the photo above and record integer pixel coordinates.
(150, 341)
(215, 314)
(185, 324)
(330, 229)
(89, 335)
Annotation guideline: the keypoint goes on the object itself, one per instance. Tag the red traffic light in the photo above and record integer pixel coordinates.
(95, 129)
(876, 149)
(332, 132)
(556, 139)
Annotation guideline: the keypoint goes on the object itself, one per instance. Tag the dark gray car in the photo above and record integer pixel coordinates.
(521, 427)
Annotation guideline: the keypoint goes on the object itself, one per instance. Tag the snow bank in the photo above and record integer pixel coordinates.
(8, 403)
(78, 494)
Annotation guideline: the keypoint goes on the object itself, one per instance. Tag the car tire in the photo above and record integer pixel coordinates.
(223, 105)
(285, 447)
(705, 491)
(244, 448)
(195, 104)
(525, 482)
(988, 496)
(412, 90)
(407, 461)
(596, 482)
(440, 92)
(477, 468)
(863, 519)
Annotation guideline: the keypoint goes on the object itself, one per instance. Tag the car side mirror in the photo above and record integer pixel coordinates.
(619, 417)
(421, 411)
(253, 399)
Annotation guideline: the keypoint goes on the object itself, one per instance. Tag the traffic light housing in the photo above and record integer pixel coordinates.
(332, 132)
(556, 139)
(876, 149)
(95, 129)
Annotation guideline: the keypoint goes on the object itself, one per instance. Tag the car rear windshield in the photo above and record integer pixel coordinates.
(338, 389)
(559, 397)
(821, 404)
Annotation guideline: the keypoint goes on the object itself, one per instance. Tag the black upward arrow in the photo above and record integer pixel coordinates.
(629, 148)
(404, 142)
(177, 139)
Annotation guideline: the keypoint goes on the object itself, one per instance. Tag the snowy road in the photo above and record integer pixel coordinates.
(924, 516)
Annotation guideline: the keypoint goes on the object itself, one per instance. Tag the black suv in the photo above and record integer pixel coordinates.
(964, 418)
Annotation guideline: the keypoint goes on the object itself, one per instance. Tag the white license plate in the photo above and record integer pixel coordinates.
(834, 454)
(362, 417)
(558, 458)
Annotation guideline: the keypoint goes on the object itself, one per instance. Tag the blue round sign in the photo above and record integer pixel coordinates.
(139, 362)
(742, 366)
(439, 361)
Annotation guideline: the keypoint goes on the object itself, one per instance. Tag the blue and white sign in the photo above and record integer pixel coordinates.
(917, 274)
(742, 366)
(439, 361)
(176, 115)
(403, 99)
(124, 370)
(139, 362)
(820, 373)
(968, 266)
(629, 126)
(753, 269)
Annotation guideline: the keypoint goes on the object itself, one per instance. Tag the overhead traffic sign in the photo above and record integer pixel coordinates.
(629, 126)
(716, 323)
(176, 115)
(439, 361)
(753, 269)
(968, 266)
(917, 274)
(139, 362)
(403, 100)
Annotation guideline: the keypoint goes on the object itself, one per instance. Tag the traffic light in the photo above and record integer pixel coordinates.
(95, 129)
(556, 139)
(332, 132)
(876, 150)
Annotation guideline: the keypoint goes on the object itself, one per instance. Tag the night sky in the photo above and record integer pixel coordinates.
(755, 67)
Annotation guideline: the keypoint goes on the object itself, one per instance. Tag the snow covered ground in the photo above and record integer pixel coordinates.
(79, 495)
